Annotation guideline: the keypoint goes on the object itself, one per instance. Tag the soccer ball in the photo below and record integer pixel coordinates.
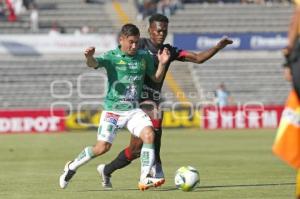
(186, 178)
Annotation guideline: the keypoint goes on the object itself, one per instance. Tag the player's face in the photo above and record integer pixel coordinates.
(158, 32)
(129, 44)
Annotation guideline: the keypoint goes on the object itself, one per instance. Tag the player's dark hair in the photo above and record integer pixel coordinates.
(158, 18)
(130, 30)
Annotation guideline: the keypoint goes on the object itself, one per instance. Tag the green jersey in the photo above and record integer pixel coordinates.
(125, 77)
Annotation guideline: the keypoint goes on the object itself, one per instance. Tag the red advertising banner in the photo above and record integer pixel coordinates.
(240, 117)
(16, 121)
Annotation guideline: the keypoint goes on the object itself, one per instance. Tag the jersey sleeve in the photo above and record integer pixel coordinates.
(150, 69)
(102, 60)
(175, 53)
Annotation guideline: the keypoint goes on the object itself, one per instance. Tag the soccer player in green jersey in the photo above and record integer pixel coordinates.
(151, 98)
(126, 67)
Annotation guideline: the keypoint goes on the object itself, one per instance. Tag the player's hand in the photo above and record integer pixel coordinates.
(286, 51)
(287, 74)
(224, 42)
(89, 52)
(163, 56)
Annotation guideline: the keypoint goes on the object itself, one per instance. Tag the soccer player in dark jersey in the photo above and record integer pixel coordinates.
(158, 30)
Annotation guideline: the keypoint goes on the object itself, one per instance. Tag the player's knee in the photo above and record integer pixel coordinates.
(101, 148)
(147, 135)
(135, 151)
(136, 154)
(132, 152)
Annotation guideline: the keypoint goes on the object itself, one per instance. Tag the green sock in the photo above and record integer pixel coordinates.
(85, 156)
(147, 159)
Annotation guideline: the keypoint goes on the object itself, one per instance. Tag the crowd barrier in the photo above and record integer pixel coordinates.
(172, 119)
(241, 117)
(241, 41)
(73, 44)
(33, 121)
(209, 117)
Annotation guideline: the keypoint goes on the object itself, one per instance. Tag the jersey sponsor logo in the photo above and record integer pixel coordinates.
(111, 118)
(121, 68)
(121, 65)
(121, 62)
(133, 65)
(133, 78)
(147, 88)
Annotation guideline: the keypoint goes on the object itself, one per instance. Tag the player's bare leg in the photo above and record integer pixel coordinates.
(153, 111)
(124, 158)
(85, 156)
(147, 160)
(132, 151)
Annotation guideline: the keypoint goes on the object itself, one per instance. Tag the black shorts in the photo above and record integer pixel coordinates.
(295, 67)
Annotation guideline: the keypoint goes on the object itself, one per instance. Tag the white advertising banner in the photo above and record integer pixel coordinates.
(55, 44)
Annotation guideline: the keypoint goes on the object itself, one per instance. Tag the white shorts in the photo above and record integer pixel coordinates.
(110, 121)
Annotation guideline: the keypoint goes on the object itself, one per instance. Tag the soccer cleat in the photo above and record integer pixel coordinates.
(150, 182)
(157, 171)
(106, 184)
(66, 176)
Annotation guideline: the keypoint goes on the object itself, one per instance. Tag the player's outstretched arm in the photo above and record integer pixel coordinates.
(293, 30)
(163, 58)
(89, 55)
(201, 57)
(292, 37)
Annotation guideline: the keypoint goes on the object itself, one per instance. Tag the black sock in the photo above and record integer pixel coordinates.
(296, 76)
(118, 163)
(121, 161)
(157, 141)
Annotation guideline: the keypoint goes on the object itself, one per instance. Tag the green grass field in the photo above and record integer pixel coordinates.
(232, 165)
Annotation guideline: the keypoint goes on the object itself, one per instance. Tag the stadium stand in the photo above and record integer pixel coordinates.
(26, 81)
(39, 82)
(248, 75)
(249, 79)
(67, 14)
(231, 18)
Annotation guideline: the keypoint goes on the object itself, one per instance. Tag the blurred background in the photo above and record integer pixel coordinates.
(45, 85)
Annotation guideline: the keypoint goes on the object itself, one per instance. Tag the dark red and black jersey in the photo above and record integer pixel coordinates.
(151, 90)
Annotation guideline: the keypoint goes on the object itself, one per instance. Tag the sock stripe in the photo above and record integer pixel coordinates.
(85, 156)
(156, 123)
(128, 154)
(89, 151)
(147, 160)
(148, 146)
